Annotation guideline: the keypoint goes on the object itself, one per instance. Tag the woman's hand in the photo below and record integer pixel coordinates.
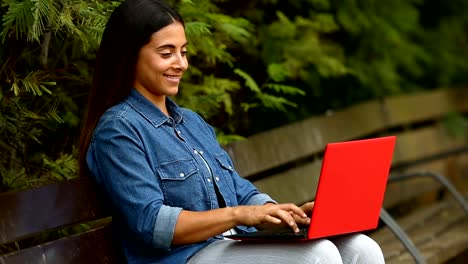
(193, 227)
(270, 215)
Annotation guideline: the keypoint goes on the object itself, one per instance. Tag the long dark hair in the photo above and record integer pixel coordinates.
(129, 28)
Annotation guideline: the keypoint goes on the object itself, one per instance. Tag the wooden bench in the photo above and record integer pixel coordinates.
(67, 222)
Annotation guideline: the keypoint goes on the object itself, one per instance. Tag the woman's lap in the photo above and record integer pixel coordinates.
(356, 248)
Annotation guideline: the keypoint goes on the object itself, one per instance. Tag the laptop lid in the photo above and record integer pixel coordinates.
(351, 187)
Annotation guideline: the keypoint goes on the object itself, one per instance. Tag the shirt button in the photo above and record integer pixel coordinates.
(196, 152)
(178, 132)
(209, 180)
(217, 178)
(201, 152)
(181, 175)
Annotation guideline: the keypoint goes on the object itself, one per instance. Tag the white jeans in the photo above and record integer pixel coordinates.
(349, 249)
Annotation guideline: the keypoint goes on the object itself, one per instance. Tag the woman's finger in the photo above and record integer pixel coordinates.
(288, 219)
(307, 207)
(282, 213)
(272, 219)
(301, 220)
(294, 209)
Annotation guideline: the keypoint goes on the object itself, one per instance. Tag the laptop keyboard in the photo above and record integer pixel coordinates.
(278, 233)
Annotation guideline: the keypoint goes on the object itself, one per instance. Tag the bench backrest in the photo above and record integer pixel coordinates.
(73, 215)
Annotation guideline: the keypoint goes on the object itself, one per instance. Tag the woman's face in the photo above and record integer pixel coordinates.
(161, 63)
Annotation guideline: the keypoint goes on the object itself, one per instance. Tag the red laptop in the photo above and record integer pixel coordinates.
(350, 191)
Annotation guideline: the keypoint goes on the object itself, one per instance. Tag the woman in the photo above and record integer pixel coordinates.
(173, 189)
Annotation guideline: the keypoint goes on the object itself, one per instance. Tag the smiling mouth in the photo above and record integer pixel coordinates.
(173, 77)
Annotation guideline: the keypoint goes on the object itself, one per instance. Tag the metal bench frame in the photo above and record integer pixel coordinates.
(393, 225)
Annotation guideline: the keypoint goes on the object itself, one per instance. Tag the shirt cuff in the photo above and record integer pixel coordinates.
(164, 227)
(260, 199)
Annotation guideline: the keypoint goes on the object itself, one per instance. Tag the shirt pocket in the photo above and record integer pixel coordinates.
(223, 161)
(226, 171)
(181, 184)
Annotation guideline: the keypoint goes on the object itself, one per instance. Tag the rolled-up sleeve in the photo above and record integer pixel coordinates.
(260, 198)
(164, 227)
(117, 159)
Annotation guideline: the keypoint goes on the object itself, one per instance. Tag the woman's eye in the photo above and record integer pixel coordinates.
(169, 54)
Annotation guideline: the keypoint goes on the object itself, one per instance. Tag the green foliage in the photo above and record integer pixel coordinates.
(224, 139)
(386, 46)
(32, 83)
(65, 167)
(19, 14)
(206, 89)
(346, 51)
(22, 132)
(44, 73)
(297, 46)
(267, 100)
(84, 20)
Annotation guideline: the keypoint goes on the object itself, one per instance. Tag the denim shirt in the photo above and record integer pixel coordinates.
(151, 166)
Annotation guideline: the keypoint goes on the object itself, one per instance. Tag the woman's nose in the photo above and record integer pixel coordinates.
(181, 62)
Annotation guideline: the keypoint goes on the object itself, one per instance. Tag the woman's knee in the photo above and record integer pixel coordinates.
(322, 251)
(359, 248)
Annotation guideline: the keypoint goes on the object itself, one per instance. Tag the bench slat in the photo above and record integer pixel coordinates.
(455, 241)
(34, 210)
(426, 142)
(428, 227)
(296, 185)
(419, 107)
(93, 246)
(423, 188)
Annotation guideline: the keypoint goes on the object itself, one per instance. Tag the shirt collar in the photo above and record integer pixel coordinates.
(152, 112)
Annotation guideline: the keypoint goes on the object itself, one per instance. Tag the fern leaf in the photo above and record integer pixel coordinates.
(277, 72)
(15, 88)
(249, 81)
(237, 33)
(43, 11)
(275, 102)
(285, 89)
(33, 83)
(18, 16)
(225, 139)
(197, 28)
(247, 106)
(53, 113)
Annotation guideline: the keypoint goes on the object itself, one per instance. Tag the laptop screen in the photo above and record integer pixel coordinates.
(351, 187)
